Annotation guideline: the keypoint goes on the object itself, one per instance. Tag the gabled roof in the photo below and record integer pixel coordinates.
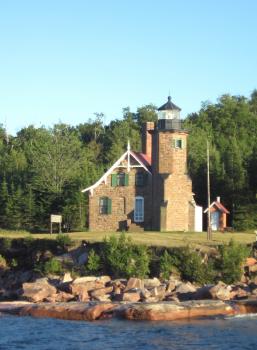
(168, 106)
(219, 206)
(144, 158)
(139, 157)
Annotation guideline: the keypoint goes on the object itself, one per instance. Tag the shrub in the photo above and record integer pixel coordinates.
(167, 265)
(28, 241)
(192, 269)
(3, 263)
(124, 259)
(93, 263)
(14, 263)
(63, 241)
(53, 266)
(230, 261)
(5, 244)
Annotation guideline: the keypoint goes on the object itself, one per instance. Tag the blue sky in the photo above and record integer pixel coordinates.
(65, 60)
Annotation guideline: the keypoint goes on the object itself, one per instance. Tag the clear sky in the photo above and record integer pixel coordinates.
(64, 60)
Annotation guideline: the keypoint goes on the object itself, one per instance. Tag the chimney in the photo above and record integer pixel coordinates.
(218, 199)
(147, 138)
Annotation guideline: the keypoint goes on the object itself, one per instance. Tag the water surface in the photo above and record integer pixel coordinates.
(50, 334)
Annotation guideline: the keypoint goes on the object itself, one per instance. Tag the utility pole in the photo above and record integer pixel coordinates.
(209, 232)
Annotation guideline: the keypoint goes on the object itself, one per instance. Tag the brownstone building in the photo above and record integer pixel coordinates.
(149, 190)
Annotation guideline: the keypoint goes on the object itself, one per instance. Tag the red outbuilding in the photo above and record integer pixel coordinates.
(218, 215)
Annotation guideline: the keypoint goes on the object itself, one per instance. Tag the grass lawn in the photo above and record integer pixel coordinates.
(167, 239)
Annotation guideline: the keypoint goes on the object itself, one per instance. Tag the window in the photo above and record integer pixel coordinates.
(139, 209)
(105, 205)
(177, 143)
(119, 179)
(140, 179)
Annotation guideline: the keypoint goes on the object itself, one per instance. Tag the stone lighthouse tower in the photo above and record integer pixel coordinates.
(172, 187)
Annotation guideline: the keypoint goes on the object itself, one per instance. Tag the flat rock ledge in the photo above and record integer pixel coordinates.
(162, 311)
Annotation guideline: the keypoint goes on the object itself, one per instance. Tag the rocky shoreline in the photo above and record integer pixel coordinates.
(162, 311)
(99, 297)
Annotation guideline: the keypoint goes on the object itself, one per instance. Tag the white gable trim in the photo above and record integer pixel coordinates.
(114, 166)
(210, 207)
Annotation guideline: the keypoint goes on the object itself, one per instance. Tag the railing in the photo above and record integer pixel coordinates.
(170, 124)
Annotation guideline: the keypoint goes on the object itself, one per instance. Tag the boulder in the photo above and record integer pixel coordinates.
(253, 268)
(88, 286)
(104, 279)
(84, 279)
(151, 282)
(240, 292)
(80, 291)
(171, 285)
(38, 291)
(185, 288)
(101, 292)
(220, 291)
(66, 278)
(134, 283)
(250, 262)
(158, 292)
(131, 297)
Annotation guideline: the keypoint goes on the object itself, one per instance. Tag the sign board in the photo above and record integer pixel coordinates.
(56, 218)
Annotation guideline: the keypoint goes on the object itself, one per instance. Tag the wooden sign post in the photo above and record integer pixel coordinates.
(55, 219)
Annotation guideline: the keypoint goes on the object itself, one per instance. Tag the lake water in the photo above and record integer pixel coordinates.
(30, 333)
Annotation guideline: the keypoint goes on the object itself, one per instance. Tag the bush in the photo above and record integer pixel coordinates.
(53, 266)
(192, 269)
(28, 241)
(124, 259)
(94, 262)
(63, 241)
(5, 244)
(3, 263)
(230, 262)
(167, 265)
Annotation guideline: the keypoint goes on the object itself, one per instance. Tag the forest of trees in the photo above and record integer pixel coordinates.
(42, 171)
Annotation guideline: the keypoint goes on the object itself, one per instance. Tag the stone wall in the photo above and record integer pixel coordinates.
(172, 187)
(120, 195)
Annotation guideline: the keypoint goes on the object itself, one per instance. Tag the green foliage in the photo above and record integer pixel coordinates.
(167, 264)
(63, 241)
(94, 262)
(124, 259)
(53, 266)
(44, 170)
(230, 262)
(192, 269)
(3, 263)
(5, 244)
(14, 263)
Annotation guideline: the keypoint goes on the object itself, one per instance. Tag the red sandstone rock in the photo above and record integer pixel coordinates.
(101, 291)
(151, 282)
(134, 283)
(250, 262)
(68, 311)
(220, 291)
(38, 291)
(131, 297)
(174, 311)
